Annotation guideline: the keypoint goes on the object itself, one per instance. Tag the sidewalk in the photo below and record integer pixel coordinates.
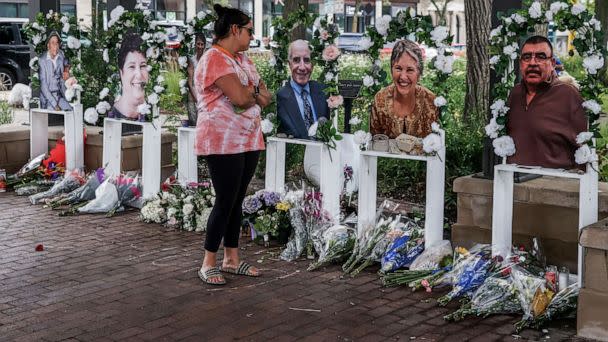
(106, 279)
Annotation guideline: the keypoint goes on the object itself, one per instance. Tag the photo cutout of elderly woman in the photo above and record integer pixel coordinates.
(134, 75)
(51, 74)
(404, 108)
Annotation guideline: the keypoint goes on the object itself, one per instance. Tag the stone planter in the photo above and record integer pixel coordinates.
(14, 147)
(545, 207)
(592, 315)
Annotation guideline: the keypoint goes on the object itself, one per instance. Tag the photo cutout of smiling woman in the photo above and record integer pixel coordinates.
(134, 75)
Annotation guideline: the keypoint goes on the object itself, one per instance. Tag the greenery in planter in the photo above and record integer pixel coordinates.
(6, 113)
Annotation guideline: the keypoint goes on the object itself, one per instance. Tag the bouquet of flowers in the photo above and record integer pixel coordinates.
(186, 208)
(403, 250)
(266, 214)
(528, 287)
(333, 245)
(562, 305)
(299, 237)
(494, 296)
(84, 193)
(370, 245)
(106, 198)
(69, 183)
(129, 191)
(471, 268)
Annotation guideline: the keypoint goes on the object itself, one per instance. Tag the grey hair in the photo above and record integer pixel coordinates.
(412, 49)
(297, 43)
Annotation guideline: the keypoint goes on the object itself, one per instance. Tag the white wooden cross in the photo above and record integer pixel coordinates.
(150, 166)
(435, 189)
(73, 134)
(329, 185)
(187, 170)
(502, 206)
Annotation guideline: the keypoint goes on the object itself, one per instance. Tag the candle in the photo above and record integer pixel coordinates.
(564, 274)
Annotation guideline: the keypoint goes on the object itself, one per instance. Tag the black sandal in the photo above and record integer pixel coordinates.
(213, 272)
(242, 269)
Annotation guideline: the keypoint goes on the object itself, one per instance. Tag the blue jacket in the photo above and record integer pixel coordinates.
(52, 85)
(290, 118)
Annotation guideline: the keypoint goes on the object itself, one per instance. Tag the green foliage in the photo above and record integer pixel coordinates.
(602, 152)
(6, 113)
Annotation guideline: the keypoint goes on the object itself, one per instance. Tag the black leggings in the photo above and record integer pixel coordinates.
(230, 174)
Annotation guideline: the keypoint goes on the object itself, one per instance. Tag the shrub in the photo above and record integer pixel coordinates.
(6, 113)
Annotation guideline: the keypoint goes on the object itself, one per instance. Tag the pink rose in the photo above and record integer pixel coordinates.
(324, 35)
(331, 53)
(335, 101)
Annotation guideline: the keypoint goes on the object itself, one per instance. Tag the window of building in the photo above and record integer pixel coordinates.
(68, 9)
(169, 10)
(13, 10)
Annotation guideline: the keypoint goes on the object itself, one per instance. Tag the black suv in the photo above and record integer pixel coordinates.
(14, 53)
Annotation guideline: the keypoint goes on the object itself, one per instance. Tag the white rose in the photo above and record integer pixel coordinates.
(535, 10)
(153, 98)
(499, 107)
(329, 77)
(493, 128)
(103, 93)
(160, 79)
(116, 13)
(596, 24)
(583, 137)
(495, 32)
(158, 89)
(440, 101)
(200, 15)
(439, 34)
(584, 155)
(593, 63)
(435, 127)
(73, 43)
(160, 37)
(365, 43)
(549, 15)
(431, 143)
(518, 18)
(66, 28)
(557, 6)
(183, 61)
(183, 90)
(183, 82)
(106, 56)
(368, 81)
(593, 106)
(144, 108)
(36, 39)
(152, 52)
(354, 120)
(511, 50)
(147, 12)
(187, 209)
(90, 116)
(504, 146)
(317, 23)
(190, 30)
(146, 36)
(312, 131)
(266, 126)
(272, 61)
(34, 63)
(103, 107)
(577, 9)
(494, 60)
(444, 63)
(49, 15)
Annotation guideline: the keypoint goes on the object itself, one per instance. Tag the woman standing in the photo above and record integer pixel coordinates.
(230, 97)
(404, 106)
(199, 41)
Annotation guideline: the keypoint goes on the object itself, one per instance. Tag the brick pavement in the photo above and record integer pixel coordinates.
(116, 279)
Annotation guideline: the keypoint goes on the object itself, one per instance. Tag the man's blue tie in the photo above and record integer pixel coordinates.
(308, 118)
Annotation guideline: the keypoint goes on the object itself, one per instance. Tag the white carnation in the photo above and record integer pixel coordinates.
(103, 107)
(354, 120)
(504, 146)
(368, 81)
(103, 93)
(144, 108)
(106, 56)
(583, 137)
(383, 24)
(439, 34)
(431, 143)
(499, 107)
(361, 137)
(147, 12)
(584, 155)
(593, 63)
(593, 106)
(577, 9)
(492, 128)
(440, 101)
(153, 98)
(267, 126)
(90, 116)
(187, 209)
(49, 15)
(535, 10)
(365, 43)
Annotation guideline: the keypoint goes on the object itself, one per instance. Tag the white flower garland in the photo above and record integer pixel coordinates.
(504, 43)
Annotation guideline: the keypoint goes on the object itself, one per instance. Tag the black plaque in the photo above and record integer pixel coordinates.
(349, 89)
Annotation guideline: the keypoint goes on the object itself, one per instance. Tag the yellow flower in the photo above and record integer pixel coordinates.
(283, 206)
(462, 250)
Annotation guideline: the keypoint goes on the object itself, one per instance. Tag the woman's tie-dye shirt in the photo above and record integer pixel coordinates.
(220, 129)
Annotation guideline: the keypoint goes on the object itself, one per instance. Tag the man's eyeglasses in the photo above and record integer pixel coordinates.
(539, 57)
(249, 29)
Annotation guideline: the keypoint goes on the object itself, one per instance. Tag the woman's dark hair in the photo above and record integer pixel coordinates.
(132, 42)
(226, 17)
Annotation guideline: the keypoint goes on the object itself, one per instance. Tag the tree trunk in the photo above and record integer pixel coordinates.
(542, 30)
(356, 16)
(477, 15)
(299, 32)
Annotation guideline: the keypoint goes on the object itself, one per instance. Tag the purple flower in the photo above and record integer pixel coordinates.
(251, 205)
(270, 198)
(348, 173)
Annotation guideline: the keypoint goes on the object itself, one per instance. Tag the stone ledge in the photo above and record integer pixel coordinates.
(591, 318)
(595, 235)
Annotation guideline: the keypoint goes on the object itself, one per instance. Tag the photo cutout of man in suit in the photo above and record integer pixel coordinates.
(301, 102)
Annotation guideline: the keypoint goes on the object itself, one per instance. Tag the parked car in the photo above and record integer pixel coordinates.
(14, 53)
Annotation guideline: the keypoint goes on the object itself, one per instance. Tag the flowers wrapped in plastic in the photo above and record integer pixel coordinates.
(106, 199)
(494, 296)
(563, 304)
(336, 244)
(471, 268)
(69, 183)
(86, 192)
(403, 250)
(528, 287)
